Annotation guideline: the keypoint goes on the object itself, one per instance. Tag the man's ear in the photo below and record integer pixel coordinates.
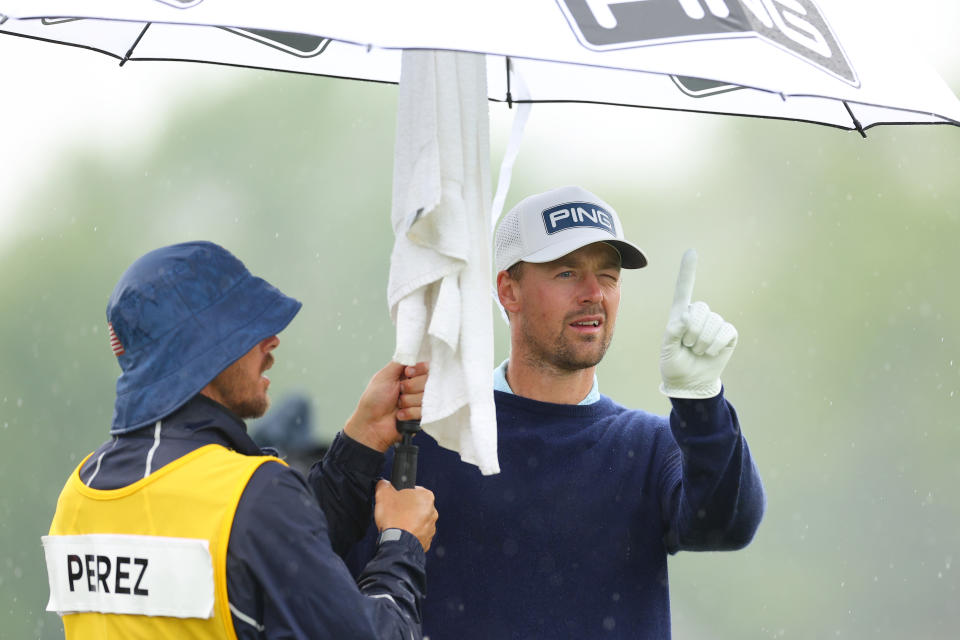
(508, 291)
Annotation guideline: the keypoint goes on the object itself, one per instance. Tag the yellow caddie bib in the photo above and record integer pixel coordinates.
(148, 560)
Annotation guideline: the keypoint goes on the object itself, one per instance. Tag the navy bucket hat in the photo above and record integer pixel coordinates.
(178, 317)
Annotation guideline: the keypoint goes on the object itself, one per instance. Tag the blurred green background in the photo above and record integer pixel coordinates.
(834, 256)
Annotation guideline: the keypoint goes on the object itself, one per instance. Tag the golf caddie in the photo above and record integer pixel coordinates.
(179, 526)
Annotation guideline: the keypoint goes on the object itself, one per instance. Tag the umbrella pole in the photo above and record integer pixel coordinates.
(404, 475)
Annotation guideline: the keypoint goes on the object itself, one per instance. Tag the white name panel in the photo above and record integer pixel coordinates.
(140, 575)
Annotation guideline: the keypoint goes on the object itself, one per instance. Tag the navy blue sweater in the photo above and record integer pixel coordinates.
(285, 574)
(571, 539)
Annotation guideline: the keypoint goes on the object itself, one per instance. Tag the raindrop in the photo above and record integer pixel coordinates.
(609, 623)
(19, 402)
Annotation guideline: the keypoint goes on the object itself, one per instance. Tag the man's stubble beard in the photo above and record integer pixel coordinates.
(245, 403)
(560, 354)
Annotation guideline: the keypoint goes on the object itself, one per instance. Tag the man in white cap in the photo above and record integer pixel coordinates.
(571, 539)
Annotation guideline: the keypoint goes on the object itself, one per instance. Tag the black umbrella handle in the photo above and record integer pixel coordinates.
(404, 475)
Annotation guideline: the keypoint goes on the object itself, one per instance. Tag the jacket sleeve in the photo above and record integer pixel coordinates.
(284, 579)
(344, 482)
(712, 495)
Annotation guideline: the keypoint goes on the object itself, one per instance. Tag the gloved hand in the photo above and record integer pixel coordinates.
(697, 343)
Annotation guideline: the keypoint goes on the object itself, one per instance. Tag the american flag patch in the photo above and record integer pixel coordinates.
(115, 341)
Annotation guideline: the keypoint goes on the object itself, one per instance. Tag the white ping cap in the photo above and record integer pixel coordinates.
(547, 226)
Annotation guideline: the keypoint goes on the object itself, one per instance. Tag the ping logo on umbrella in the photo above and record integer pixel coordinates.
(796, 26)
(115, 343)
(302, 45)
(577, 214)
(701, 87)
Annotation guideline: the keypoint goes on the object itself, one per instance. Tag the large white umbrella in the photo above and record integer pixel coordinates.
(787, 59)
(768, 58)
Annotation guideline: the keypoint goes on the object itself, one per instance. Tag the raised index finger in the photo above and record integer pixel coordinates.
(684, 291)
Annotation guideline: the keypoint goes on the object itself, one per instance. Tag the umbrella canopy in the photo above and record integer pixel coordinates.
(786, 59)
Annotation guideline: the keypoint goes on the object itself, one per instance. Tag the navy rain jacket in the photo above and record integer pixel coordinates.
(285, 573)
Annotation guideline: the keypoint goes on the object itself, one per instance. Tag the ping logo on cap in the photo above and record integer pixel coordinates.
(578, 214)
(115, 344)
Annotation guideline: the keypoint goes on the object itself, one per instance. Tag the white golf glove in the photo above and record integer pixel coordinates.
(697, 343)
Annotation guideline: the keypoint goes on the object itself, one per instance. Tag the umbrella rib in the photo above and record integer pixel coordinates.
(59, 42)
(757, 116)
(276, 69)
(135, 43)
(856, 122)
(681, 110)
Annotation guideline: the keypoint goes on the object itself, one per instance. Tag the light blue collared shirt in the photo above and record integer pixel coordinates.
(500, 384)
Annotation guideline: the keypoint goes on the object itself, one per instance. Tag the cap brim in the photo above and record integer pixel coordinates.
(631, 257)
